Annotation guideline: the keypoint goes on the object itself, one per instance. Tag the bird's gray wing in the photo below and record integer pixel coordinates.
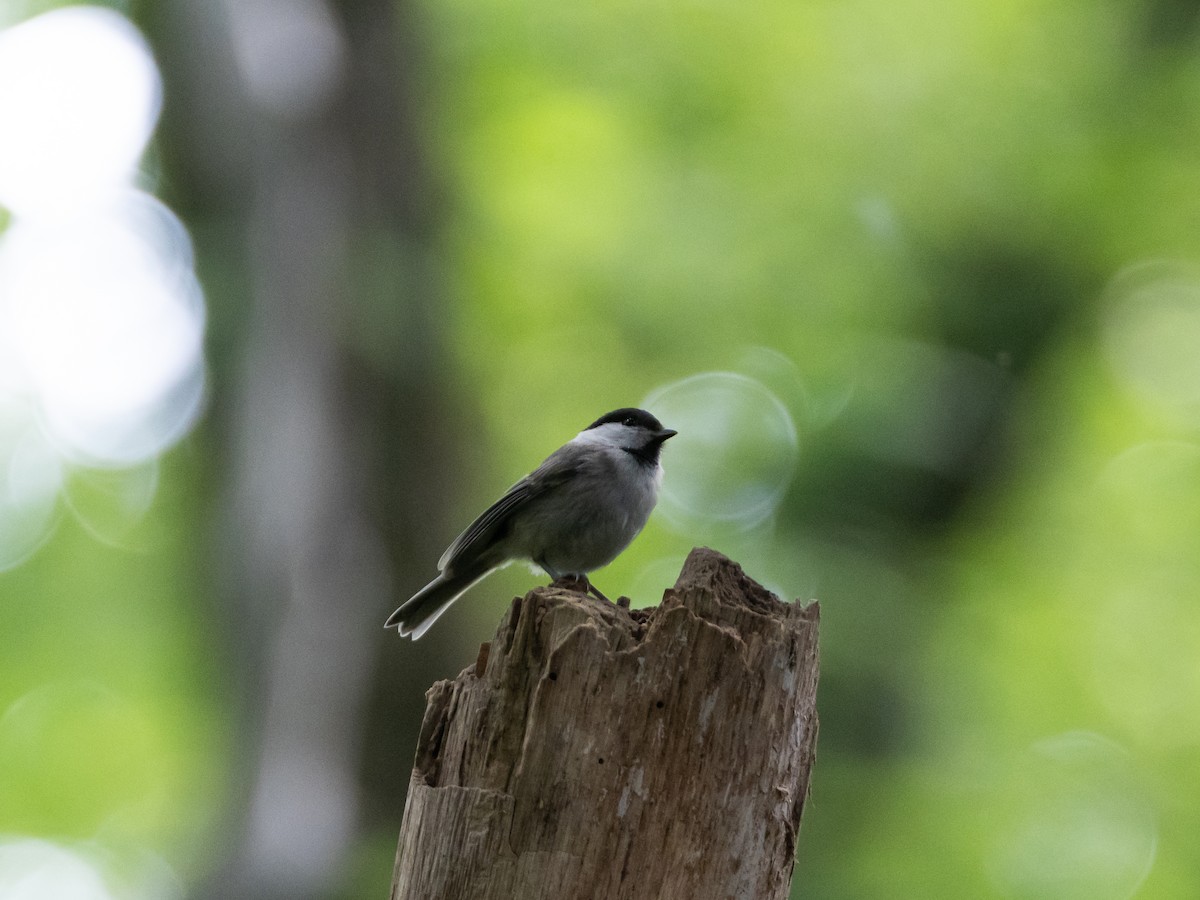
(559, 467)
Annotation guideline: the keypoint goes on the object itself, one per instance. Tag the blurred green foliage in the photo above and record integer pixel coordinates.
(112, 719)
(901, 219)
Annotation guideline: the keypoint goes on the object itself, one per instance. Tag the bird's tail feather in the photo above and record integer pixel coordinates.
(420, 612)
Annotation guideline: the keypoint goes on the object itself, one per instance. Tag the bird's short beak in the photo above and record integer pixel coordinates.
(666, 433)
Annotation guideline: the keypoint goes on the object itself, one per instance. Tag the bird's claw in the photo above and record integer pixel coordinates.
(579, 584)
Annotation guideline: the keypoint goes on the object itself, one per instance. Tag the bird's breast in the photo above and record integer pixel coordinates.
(579, 530)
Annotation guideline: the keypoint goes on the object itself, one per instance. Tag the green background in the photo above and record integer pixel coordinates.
(951, 247)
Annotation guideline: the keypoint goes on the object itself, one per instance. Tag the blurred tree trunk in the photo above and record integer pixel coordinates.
(291, 131)
(599, 754)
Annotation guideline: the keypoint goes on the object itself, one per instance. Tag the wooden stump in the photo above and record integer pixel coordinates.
(596, 752)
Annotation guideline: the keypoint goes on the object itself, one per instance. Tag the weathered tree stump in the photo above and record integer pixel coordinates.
(596, 752)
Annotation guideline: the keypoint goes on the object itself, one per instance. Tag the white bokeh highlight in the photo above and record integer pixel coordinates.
(30, 478)
(33, 869)
(106, 319)
(101, 314)
(735, 454)
(291, 54)
(1151, 332)
(79, 96)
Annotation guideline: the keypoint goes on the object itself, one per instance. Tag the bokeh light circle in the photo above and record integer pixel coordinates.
(1084, 828)
(79, 98)
(110, 503)
(32, 869)
(30, 478)
(103, 313)
(735, 454)
(1152, 330)
(291, 56)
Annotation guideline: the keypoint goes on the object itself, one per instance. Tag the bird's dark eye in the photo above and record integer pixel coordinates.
(628, 421)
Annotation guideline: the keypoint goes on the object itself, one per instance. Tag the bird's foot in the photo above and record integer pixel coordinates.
(579, 584)
(576, 583)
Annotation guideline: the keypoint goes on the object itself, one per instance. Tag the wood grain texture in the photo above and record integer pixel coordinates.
(619, 755)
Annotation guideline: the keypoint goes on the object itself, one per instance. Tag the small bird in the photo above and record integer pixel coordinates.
(573, 514)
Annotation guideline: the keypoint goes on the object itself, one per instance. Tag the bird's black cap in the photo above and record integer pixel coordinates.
(628, 415)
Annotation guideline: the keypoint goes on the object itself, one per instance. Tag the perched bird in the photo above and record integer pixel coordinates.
(573, 514)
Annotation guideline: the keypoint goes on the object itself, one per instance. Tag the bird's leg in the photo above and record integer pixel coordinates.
(591, 588)
(562, 580)
(577, 583)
